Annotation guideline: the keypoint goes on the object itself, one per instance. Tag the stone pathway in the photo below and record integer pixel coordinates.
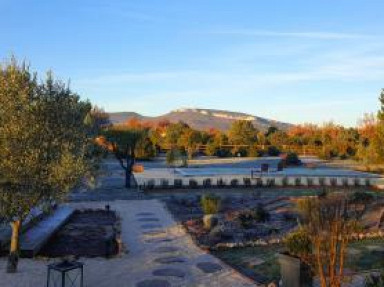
(160, 254)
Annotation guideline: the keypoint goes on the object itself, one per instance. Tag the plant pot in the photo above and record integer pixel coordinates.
(210, 221)
(294, 272)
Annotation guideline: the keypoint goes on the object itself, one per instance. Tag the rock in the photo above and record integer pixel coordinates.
(166, 249)
(209, 267)
(170, 259)
(153, 283)
(148, 219)
(150, 226)
(171, 272)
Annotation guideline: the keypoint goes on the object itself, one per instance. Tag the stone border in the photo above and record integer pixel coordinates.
(264, 181)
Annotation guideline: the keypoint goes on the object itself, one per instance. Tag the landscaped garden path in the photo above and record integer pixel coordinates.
(159, 254)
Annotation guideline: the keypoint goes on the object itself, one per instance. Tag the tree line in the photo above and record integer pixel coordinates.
(364, 142)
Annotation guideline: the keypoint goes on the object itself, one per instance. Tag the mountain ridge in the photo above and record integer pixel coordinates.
(202, 119)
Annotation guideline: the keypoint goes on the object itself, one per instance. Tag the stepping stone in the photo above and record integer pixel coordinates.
(153, 283)
(155, 232)
(158, 240)
(149, 219)
(170, 260)
(209, 267)
(170, 272)
(145, 214)
(150, 226)
(166, 249)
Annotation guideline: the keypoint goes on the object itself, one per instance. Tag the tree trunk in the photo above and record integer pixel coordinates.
(14, 250)
(128, 173)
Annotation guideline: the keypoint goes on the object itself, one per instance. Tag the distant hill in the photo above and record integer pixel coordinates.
(202, 119)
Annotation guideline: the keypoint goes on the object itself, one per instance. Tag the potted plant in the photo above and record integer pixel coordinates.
(210, 204)
(295, 270)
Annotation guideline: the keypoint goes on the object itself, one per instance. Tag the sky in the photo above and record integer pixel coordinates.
(293, 61)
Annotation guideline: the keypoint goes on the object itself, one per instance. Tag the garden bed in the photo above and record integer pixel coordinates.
(88, 233)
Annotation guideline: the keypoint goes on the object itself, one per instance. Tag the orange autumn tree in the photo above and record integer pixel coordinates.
(329, 221)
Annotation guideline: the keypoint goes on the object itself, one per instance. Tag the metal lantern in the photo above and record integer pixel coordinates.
(65, 274)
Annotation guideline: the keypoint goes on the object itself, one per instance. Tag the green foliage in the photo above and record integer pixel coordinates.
(210, 204)
(292, 159)
(46, 139)
(176, 157)
(299, 244)
(362, 197)
(260, 214)
(273, 151)
(242, 132)
(374, 280)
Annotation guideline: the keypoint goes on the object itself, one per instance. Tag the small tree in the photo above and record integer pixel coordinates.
(329, 222)
(123, 142)
(44, 145)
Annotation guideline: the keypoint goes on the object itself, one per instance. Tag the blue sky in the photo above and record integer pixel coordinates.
(294, 61)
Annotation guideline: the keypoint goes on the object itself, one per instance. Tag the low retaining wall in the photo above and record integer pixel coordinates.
(264, 181)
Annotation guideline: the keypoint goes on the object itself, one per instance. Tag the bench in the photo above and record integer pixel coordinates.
(34, 239)
(6, 231)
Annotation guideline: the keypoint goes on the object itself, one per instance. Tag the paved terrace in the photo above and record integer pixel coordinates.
(160, 254)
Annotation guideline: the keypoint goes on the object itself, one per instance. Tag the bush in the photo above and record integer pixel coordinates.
(220, 182)
(254, 151)
(362, 197)
(207, 182)
(246, 219)
(333, 181)
(178, 182)
(260, 214)
(193, 183)
(210, 204)
(298, 181)
(234, 182)
(310, 181)
(150, 184)
(270, 182)
(321, 181)
(375, 280)
(164, 183)
(292, 159)
(247, 182)
(298, 244)
(284, 181)
(273, 151)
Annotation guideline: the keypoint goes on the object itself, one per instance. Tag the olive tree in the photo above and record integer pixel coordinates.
(44, 142)
(123, 143)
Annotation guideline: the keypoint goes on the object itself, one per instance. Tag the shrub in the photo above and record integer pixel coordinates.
(333, 181)
(375, 280)
(310, 181)
(356, 181)
(234, 182)
(270, 182)
(150, 184)
(220, 182)
(246, 218)
(178, 182)
(292, 159)
(247, 182)
(254, 151)
(367, 182)
(298, 244)
(362, 197)
(345, 181)
(207, 182)
(284, 181)
(193, 183)
(321, 181)
(164, 183)
(259, 182)
(273, 151)
(260, 214)
(210, 204)
(298, 181)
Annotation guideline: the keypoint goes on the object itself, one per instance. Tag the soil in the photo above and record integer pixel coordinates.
(88, 233)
